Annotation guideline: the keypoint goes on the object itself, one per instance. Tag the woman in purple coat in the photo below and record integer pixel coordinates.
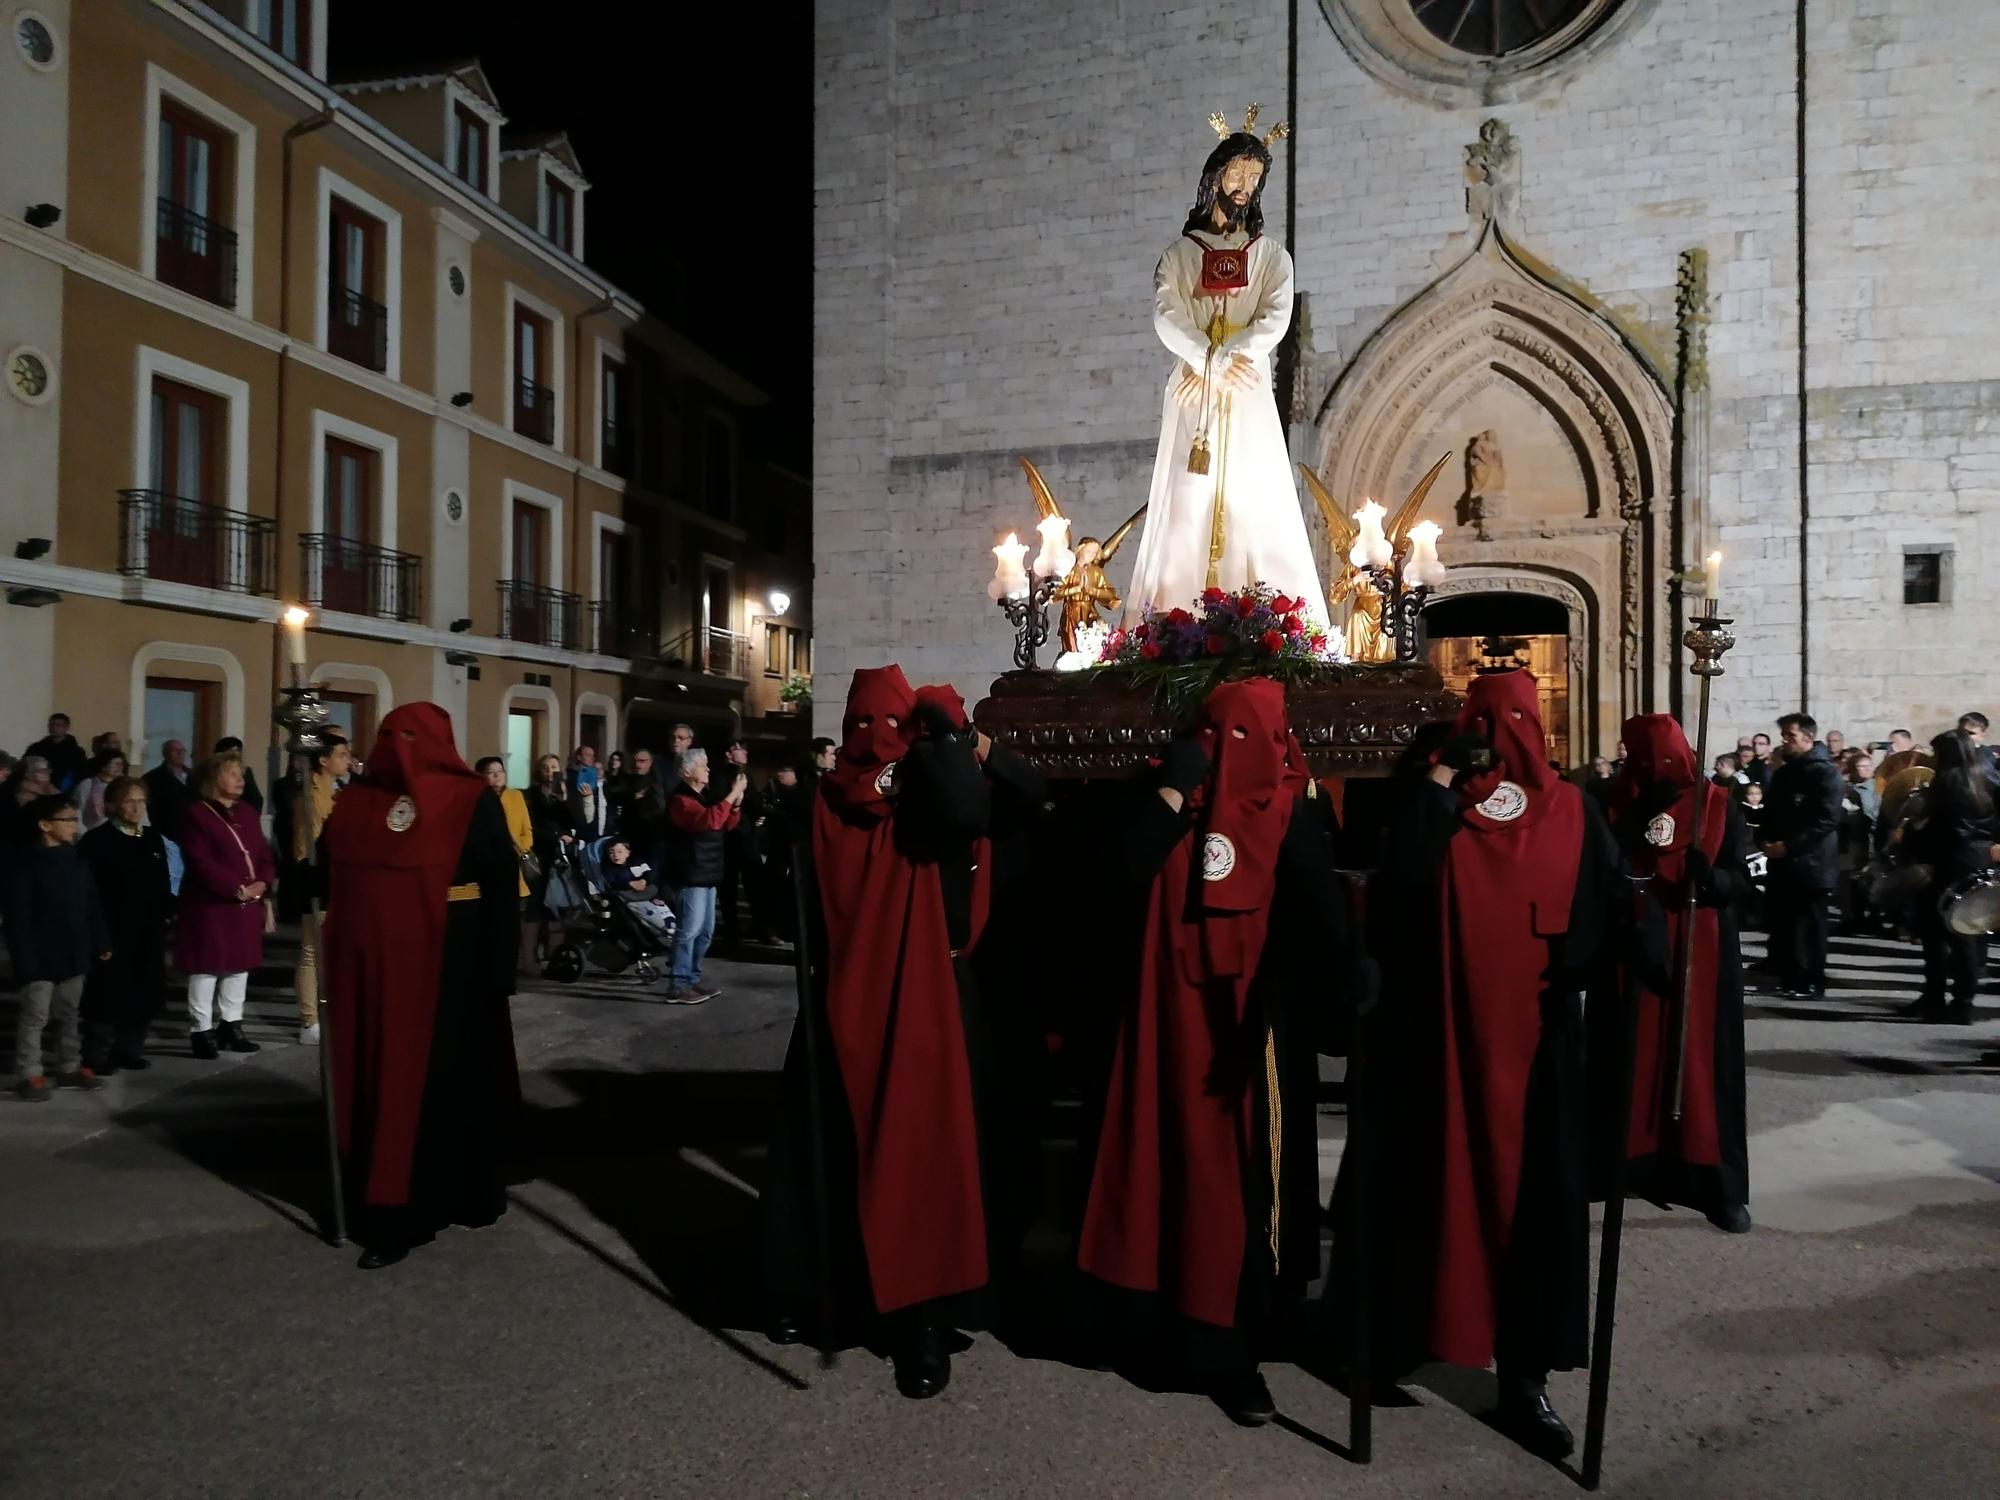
(225, 905)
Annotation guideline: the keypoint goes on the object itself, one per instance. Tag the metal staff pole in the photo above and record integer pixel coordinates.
(305, 717)
(1360, 1141)
(815, 1104)
(1707, 640)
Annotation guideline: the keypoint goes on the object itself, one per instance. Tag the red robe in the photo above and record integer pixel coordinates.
(1508, 881)
(1167, 1202)
(393, 841)
(1658, 787)
(892, 1010)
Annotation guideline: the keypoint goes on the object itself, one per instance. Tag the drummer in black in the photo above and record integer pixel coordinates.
(1960, 837)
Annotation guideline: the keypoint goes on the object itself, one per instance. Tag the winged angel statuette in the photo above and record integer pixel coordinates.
(1366, 640)
(1085, 590)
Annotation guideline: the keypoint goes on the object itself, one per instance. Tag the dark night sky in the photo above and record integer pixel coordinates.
(668, 104)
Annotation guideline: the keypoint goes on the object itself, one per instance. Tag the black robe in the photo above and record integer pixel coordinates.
(126, 991)
(471, 1082)
(944, 803)
(1544, 1297)
(1667, 1179)
(1305, 984)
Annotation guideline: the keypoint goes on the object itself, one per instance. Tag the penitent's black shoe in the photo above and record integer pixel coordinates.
(923, 1366)
(202, 1045)
(1528, 1418)
(1731, 1218)
(1245, 1398)
(229, 1036)
(1923, 1008)
(379, 1256)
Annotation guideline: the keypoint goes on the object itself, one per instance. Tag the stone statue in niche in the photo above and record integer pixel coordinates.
(1485, 497)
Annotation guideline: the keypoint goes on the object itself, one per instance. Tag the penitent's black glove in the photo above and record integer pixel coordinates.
(1701, 876)
(1465, 752)
(934, 722)
(1185, 765)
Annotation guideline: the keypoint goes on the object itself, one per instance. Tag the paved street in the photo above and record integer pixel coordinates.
(174, 1328)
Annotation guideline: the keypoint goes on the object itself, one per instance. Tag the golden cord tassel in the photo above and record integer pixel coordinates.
(1277, 1133)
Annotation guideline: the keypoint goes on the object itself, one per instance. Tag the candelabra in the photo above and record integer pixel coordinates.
(301, 713)
(1402, 606)
(1028, 613)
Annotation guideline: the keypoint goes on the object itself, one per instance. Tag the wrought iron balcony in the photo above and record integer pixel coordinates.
(714, 652)
(534, 411)
(358, 579)
(174, 540)
(537, 616)
(614, 633)
(195, 254)
(356, 328)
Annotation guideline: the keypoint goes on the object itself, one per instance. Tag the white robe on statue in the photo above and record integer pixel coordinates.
(1264, 530)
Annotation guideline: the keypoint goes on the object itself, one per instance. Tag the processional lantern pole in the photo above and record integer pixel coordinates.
(304, 717)
(1708, 640)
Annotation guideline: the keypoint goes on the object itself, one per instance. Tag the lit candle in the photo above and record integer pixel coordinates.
(1711, 567)
(1009, 577)
(1371, 548)
(1423, 566)
(1055, 558)
(295, 635)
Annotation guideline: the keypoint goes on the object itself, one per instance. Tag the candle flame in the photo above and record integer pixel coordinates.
(296, 616)
(1715, 557)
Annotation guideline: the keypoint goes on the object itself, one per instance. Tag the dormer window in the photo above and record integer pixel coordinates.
(467, 155)
(285, 26)
(559, 214)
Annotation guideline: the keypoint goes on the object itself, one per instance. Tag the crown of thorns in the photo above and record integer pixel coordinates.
(1223, 130)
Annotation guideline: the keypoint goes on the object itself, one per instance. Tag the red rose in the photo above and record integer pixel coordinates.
(1217, 644)
(1272, 642)
(1246, 607)
(1283, 606)
(1151, 651)
(1180, 617)
(1140, 632)
(1317, 644)
(1294, 625)
(1212, 596)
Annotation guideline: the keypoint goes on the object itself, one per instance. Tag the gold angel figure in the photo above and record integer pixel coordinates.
(1365, 638)
(1085, 589)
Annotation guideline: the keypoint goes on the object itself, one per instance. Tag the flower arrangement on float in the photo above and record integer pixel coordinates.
(1249, 632)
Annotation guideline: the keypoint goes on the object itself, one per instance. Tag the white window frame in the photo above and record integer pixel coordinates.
(169, 653)
(600, 523)
(456, 93)
(326, 424)
(256, 21)
(609, 353)
(512, 490)
(160, 84)
(516, 297)
(543, 698)
(548, 165)
(332, 185)
(234, 392)
(600, 703)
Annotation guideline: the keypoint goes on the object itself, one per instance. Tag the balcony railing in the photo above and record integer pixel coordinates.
(356, 328)
(613, 632)
(534, 411)
(537, 616)
(195, 254)
(714, 651)
(358, 579)
(165, 537)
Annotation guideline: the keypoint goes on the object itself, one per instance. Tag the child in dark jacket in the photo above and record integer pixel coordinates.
(55, 932)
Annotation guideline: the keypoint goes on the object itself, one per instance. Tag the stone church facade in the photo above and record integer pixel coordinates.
(1665, 276)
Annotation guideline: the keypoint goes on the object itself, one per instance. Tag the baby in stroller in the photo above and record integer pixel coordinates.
(613, 913)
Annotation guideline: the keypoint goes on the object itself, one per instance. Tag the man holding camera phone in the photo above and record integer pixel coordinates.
(691, 868)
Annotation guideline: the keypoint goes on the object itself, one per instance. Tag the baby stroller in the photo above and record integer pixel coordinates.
(600, 930)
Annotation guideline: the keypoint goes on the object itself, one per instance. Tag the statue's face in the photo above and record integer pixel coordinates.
(1240, 179)
(1087, 551)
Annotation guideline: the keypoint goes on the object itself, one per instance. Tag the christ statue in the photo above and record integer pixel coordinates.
(1223, 512)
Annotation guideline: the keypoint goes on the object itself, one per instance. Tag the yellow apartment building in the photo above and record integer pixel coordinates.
(272, 339)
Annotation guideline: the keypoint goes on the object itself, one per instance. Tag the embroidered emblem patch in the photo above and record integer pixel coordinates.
(885, 779)
(402, 813)
(1225, 270)
(1661, 830)
(1506, 803)
(1218, 857)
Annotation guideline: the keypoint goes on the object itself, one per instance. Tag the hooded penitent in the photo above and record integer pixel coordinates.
(1166, 1209)
(1509, 877)
(1653, 814)
(947, 700)
(893, 1013)
(393, 842)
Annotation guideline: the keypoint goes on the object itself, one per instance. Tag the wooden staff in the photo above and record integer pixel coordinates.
(815, 1105)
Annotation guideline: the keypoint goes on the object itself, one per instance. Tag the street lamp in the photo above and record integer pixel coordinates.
(780, 601)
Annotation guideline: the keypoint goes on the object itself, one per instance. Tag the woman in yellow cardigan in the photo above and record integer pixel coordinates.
(522, 828)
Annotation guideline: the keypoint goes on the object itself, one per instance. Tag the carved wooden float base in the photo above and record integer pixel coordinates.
(1351, 720)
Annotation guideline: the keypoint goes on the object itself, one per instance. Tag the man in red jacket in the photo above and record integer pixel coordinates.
(693, 858)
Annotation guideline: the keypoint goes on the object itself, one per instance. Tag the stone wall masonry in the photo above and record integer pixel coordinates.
(994, 183)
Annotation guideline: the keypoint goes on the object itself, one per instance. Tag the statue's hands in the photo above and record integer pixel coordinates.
(1240, 373)
(1186, 389)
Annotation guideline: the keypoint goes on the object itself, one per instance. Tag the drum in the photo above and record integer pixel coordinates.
(1971, 907)
(1894, 886)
